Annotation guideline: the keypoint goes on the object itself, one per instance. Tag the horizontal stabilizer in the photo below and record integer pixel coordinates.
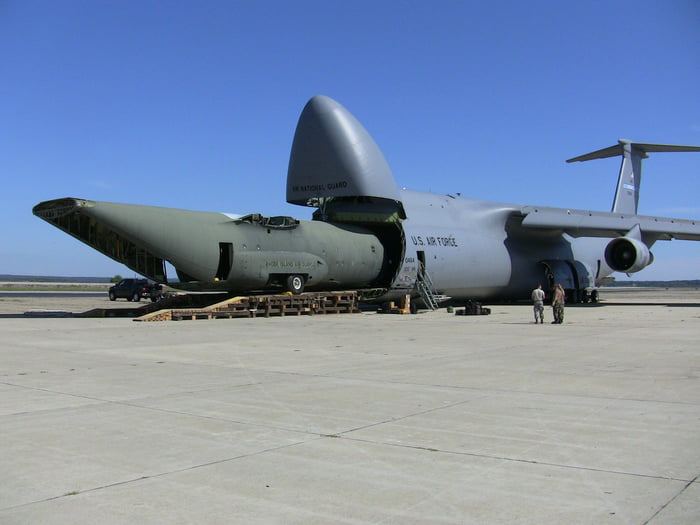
(618, 149)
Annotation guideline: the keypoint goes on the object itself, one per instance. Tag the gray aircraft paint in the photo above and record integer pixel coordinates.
(367, 233)
(333, 155)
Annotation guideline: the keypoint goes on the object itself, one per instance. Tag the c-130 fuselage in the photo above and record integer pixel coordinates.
(367, 234)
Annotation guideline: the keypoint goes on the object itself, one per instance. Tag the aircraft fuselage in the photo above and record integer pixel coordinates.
(465, 245)
(369, 234)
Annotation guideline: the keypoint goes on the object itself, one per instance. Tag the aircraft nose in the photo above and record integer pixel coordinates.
(333, 155)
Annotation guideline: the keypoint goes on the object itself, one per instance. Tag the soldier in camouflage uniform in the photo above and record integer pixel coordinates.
(537, 297)
(558, 300)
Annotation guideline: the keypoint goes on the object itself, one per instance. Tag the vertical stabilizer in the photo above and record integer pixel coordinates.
(626, 199)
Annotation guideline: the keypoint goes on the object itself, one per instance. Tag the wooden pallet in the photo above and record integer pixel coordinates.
(263, 306)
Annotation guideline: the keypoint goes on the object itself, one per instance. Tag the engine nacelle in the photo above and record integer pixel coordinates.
(627, 255)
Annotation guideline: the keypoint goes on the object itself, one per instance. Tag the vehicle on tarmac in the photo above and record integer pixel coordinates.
(134, 290)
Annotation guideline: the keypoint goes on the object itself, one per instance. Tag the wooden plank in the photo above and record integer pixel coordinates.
(263, 306)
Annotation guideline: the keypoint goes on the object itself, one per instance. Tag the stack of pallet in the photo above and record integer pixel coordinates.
(263, 306)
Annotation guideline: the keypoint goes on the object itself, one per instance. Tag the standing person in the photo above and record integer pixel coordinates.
(558, 300)
(537, 297)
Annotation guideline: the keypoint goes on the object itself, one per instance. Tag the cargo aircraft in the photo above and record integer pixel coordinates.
(367, 234)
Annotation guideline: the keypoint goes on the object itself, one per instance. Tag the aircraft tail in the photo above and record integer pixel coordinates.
(626, 199)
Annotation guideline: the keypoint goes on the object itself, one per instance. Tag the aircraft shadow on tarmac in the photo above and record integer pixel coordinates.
(652, 303)
(38, 315)
(64, 314)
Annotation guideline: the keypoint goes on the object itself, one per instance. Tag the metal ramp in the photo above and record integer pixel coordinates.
(427, 292)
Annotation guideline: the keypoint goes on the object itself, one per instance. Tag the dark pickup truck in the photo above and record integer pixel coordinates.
(135, 289)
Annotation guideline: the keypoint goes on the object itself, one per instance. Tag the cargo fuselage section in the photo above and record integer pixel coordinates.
(326, 256)
(216, 252)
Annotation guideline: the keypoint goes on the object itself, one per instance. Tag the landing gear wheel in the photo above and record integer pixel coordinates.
(594, 296)
(295, 284)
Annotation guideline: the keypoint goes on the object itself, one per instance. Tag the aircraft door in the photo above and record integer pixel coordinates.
(225, 261)
(408, 274)
(574, 276)
(558, 272)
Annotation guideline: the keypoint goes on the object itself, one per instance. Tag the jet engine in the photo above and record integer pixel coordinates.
(627, 255)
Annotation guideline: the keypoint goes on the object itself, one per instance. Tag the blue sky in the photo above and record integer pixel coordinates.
(193, 104)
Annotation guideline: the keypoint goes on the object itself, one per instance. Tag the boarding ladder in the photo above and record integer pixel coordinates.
(427, 291)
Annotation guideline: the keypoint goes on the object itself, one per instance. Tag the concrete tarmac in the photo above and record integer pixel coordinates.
(358, 418)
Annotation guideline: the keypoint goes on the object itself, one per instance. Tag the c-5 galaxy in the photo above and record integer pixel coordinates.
(369, 235)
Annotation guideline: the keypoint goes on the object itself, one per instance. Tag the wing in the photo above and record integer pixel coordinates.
(582, 223)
